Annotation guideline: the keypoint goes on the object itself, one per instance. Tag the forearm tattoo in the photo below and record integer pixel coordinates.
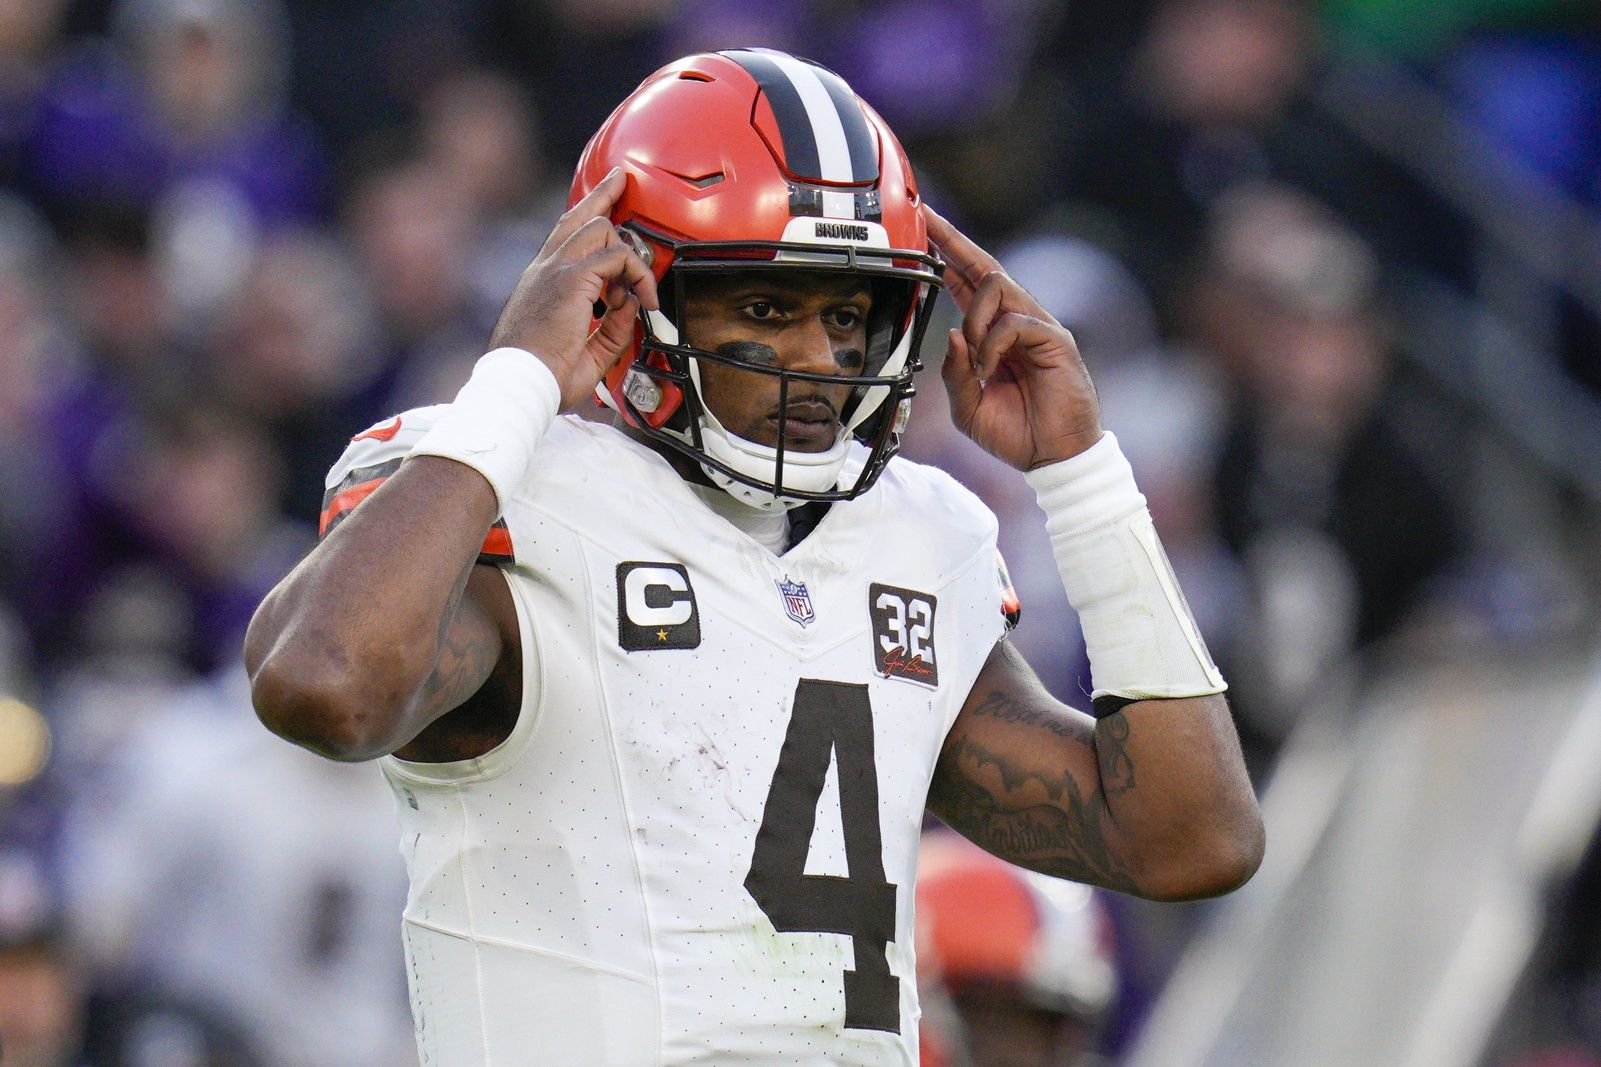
(1111, 752)
(1036, 817)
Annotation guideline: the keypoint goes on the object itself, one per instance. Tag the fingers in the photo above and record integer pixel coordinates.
(983, 306)
(611, 263)
(624, 272)
(958, 251)
(997, 342)
(596, 204)
(968, 269)
(1015, 332)
(613, 335)
(963, 388)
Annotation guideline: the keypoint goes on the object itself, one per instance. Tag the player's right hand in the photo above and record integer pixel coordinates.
(551, 311)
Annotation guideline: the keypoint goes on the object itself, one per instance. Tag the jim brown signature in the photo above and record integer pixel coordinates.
(897, 662)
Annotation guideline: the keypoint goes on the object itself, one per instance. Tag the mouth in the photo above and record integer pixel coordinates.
(808, 425)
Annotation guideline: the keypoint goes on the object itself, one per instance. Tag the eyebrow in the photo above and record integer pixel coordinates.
(780, 285)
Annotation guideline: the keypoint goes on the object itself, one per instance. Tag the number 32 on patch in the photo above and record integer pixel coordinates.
(903, 633)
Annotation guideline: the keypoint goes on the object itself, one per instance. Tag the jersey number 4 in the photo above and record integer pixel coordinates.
(831, 717)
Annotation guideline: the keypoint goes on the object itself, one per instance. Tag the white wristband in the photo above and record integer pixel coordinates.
(497, 420)
(1141, 638)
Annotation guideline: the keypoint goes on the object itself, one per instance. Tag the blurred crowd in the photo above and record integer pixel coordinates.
(235, 232)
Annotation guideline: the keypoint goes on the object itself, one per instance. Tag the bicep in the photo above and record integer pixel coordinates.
(1025, 777)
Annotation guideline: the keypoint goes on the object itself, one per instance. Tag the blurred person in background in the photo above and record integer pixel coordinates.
(233, 872)
(480, 137)
(362, 68)
(29, 41)
(1216, 95)
(1339, 526)
(412, 223)
(34, 350)
(187, 113)
(1025, 964)
(295, 355)
(480, 130)
(121, 363)
(204, 494)
(127, 319)
(592, 53)
(52, 1012)
(200, 539)
(43, 989)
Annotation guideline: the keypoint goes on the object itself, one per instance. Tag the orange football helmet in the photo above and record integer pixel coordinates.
(980, 918)
(755, 159)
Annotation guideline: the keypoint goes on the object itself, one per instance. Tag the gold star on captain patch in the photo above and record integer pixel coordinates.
(661, 635)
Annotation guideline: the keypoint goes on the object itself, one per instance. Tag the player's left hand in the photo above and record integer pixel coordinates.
(1013, 374)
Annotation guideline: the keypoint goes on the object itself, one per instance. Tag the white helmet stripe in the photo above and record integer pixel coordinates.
(833, 151)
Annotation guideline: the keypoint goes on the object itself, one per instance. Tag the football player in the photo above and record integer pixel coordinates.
(663, 703)
(1025, 966)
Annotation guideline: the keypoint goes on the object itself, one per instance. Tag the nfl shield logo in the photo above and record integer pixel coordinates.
(797, 600)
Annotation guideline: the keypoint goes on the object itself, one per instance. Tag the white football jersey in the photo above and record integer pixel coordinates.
(699, 843)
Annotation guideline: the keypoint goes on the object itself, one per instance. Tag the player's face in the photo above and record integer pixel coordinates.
(784, 319)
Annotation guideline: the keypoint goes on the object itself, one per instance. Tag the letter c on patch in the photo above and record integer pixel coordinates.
(657, 596)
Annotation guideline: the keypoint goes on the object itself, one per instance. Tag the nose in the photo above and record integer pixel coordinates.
(808, 347)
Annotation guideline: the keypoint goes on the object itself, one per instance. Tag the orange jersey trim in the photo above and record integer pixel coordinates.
(345, 501)
(379, 433)
(498, 542)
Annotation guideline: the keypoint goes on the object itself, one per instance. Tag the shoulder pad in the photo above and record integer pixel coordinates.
(371, 457)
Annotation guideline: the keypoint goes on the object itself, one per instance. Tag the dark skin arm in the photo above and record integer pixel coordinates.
(388, 637)
(374, 636)
(1153, 800)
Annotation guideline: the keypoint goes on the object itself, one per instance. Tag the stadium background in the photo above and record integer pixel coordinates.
(1336, 269)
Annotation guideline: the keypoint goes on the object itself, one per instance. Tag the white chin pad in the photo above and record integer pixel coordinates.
(810, 472)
